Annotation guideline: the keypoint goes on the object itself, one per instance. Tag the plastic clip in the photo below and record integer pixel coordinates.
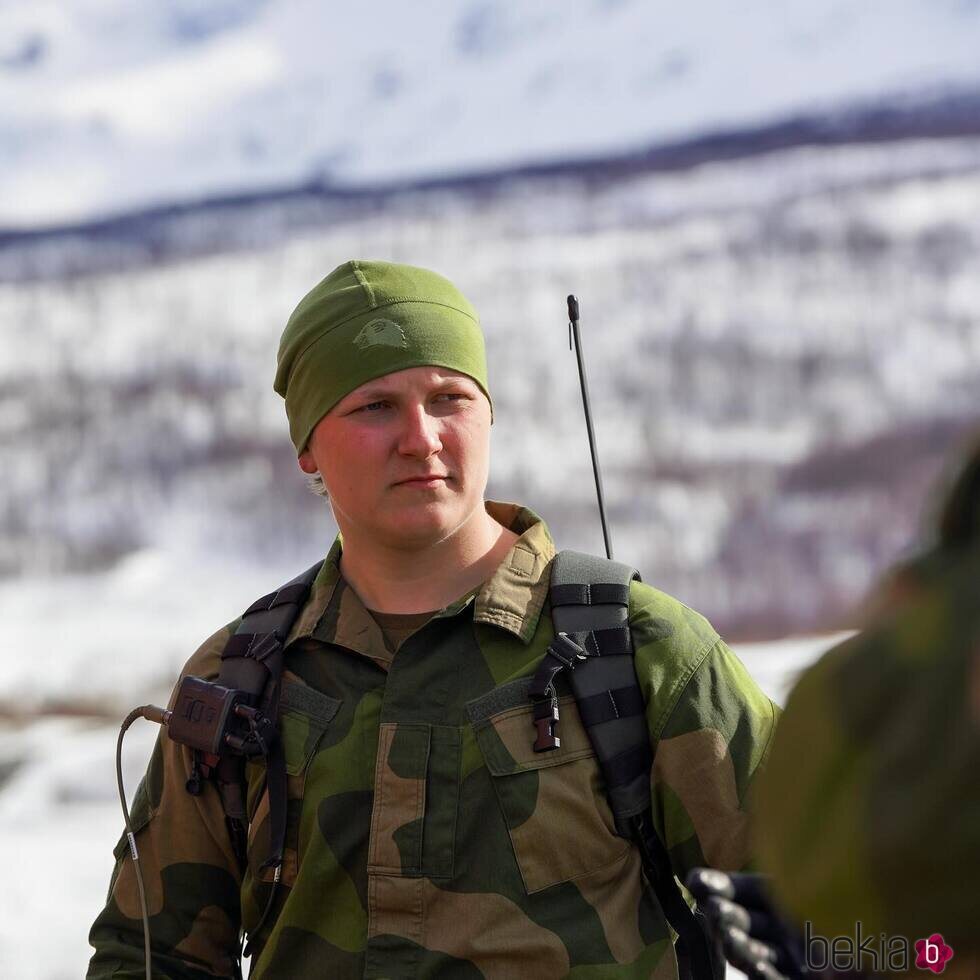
(545, 720)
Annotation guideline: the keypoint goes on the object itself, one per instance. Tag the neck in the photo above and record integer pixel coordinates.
(394, 580)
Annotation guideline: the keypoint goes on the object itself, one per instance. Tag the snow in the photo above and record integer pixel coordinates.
(111, 104)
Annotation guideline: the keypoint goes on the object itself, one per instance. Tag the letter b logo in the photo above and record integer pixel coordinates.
(932, 953)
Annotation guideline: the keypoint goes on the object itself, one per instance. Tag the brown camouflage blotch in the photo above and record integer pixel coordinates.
(570, 832)
(500, 941)
(198, 945)
(515, 728)
(158, 844)
(397, 801)
(125, 890)
(395, 906)
(615, 892)
(259, 817)
(357, 629)
(699, 769)
(520, 585)
(571, 805)
(666, 968)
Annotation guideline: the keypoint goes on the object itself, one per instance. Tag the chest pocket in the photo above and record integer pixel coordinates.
(554, 803)
(305, 715)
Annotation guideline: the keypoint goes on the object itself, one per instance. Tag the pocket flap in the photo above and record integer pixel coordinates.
(503, 723)
(319, 708)
(304, 715)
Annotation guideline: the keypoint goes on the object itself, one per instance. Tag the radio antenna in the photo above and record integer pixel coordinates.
(574, 333)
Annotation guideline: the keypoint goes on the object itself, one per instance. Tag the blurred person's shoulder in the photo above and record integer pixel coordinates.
(878, 748)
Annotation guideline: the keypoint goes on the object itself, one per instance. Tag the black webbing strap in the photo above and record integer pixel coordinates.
(590, 610)
(586, 594)
(612, 642)
(252, 661)
(597, 708)
(276, 781)
(697, 956)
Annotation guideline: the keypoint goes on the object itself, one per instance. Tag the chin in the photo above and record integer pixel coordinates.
(419, 526)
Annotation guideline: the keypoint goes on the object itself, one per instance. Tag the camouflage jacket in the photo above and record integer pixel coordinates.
(425, 837)
(878, 820)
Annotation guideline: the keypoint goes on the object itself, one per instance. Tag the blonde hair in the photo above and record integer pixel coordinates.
(315, 484)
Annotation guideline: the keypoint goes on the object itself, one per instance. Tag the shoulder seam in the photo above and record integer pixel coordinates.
(772, 731)
(694, 667)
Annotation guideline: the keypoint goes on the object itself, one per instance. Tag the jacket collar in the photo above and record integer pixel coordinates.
(511, 599)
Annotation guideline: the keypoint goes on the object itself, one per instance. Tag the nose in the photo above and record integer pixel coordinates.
(420, 434)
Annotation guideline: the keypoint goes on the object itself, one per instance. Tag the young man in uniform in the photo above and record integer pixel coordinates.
(424, 835)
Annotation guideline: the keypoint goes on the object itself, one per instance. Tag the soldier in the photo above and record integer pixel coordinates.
(868, 815)
(424, 835)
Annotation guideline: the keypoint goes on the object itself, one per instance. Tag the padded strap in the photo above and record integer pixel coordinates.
(590, 603)
(623, 769)
(290, 594)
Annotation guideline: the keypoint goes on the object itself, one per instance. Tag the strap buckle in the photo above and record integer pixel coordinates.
(545, 720)
(563, 653)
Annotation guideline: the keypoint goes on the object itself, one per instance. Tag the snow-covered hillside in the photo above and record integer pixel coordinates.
(782, 351)
(110, 104)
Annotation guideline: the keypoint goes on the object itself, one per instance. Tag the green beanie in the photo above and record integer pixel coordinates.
(367, 319)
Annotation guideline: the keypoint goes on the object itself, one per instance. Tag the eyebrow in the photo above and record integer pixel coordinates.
(374, 393)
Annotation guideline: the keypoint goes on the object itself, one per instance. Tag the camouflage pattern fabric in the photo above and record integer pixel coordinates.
(425, 837)
(870, 806)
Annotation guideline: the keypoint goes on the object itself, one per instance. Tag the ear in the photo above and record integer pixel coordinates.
(306, 462)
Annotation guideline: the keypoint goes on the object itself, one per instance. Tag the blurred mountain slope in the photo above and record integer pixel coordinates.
(108, 105)
(782, 350)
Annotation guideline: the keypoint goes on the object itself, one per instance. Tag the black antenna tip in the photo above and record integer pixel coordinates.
(572, 309)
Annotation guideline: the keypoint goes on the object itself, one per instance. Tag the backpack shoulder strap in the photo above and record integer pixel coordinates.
(252, 662)
(594, 647)
(590, 604)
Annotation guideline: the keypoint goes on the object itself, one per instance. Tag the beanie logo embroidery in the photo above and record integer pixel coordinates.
(381, 333)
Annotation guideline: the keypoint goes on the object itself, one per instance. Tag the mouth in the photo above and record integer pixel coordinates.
(423, 481)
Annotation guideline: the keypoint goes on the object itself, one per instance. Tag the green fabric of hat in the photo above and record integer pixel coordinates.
(367, 319)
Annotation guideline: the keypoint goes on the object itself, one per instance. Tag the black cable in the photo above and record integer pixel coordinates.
(254, 933)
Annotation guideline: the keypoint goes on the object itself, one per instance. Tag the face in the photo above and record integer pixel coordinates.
(404, 458)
